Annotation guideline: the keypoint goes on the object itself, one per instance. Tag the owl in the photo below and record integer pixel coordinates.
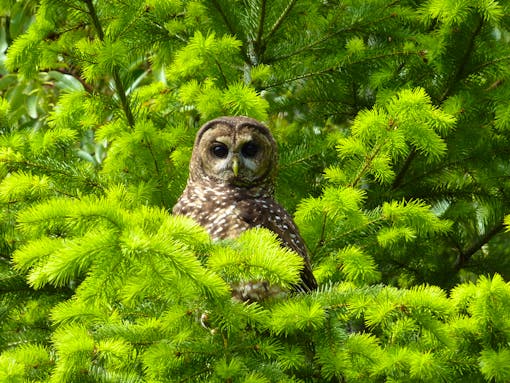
(231, 189)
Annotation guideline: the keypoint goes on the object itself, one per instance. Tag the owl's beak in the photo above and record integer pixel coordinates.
(235, 166)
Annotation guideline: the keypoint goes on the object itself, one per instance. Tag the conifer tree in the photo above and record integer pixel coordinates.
(392, 119)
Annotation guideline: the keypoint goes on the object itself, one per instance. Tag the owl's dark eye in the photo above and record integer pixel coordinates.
(219, 150)
(250, 149)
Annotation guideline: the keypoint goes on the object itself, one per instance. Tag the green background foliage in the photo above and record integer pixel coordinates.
(392, 120)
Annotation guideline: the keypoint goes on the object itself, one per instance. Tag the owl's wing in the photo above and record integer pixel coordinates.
(269, 214)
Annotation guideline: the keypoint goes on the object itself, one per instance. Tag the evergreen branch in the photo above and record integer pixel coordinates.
(123, 97)
(229, 26)
(302, 77)
(197, 373)
(281, 19)
(403, 170)
(65, 217)
(95, 19)
(489, 63)
(459, 73)
(404, 266)
(337, 67)
(321, 241)
(7, 29)
(259, 44)
(433, 170)
(119, 86)
(353, 230)
(300, 160)
(384, 56)
(131, 24)
(57, 191)
(71, 5)
(151, 151)
(368, 163)
(466, 255)
(460, 70)
(220, 10)
(303, 49)
(328, 37)
(48, 170)
(223, 77)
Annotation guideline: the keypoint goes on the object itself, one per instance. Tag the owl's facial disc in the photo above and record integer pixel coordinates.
(239, 159)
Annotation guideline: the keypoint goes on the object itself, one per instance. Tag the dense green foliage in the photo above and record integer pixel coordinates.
(393, 121)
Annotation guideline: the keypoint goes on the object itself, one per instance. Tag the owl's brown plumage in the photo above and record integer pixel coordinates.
(231, 189)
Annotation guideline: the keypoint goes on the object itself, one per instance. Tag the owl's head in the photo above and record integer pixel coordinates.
(238, 151)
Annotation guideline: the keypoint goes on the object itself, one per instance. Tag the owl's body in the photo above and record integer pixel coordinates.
(230, 189)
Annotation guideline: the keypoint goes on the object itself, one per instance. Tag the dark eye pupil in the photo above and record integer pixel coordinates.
(220, 150)
(249, 149)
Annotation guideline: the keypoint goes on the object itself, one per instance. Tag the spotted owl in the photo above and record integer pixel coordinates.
(231, 189)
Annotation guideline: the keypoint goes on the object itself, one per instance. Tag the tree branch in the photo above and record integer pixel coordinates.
(367, 164)
(259, 43)
(7, 28)
(400, 176)
(230, 27)
(313, 44)
(340, 66)
(95, 20)
(466, 255)
(223, 16)
(281, 19)
(119, 86)
(459, 73)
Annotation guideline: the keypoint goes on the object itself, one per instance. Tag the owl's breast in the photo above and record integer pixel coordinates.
(223, 214)
(225, 223)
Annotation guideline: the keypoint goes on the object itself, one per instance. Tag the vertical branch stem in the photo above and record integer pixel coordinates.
(259, 44)
(119, 86)
(7, 25)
